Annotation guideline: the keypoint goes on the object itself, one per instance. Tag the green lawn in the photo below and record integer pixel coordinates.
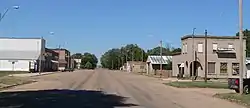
(234, 97)
(5, 73)
(198, 84)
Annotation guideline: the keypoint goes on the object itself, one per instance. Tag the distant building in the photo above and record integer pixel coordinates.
(64, 58)
(154, 62)
(135, 66)
(222, 55)
(51, 60)
(78, 63)
(22, 54)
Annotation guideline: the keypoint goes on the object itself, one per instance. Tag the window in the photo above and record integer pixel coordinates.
(211, 68)
(200, 48)
(223, 68)
(183, 48)
(215, 46)
(186, 48)
(230, 46)
(235, 68)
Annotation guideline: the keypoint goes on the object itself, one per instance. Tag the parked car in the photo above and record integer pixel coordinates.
(68, 69)
(233, 83)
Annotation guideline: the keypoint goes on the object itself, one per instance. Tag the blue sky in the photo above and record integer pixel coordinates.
(98, 25)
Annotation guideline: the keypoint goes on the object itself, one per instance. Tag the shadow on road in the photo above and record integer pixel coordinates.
(61, 99)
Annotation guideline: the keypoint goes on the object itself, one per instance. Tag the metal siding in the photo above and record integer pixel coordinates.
(20, 65)
(21, 48)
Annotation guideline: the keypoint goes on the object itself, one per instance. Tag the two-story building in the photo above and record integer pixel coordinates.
(222, 56)
(64, 58)
(51, 60)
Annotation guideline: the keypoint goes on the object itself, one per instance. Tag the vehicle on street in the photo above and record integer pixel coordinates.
(233, 83)
(68, 70)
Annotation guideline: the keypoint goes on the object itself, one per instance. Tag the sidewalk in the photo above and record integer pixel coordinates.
(31, 74)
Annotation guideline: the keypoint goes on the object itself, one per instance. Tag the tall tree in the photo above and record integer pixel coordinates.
(247, 36)
(157, 51)
(132, 52)
(77, 56)
(88, 57)
(115, 58)
(175, 50)
(88, 65)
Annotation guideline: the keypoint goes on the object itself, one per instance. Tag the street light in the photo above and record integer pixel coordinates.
(193, 55)
(7, 10)
(242, 62)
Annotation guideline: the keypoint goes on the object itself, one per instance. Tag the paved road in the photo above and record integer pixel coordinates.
(81, 89)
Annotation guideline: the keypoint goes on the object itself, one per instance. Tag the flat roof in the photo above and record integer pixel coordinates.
(59, 49)
(20, 37)
(210, 37)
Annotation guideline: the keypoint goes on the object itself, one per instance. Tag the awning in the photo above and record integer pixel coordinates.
(182, 65)
(54, 61)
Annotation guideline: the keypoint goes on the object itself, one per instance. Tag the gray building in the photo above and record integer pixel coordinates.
(21, 54)
(222, 55)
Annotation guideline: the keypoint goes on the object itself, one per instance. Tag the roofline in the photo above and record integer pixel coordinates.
(160, 55)
(177, 53)
(21, 38)
(60, 49)
(210, 37)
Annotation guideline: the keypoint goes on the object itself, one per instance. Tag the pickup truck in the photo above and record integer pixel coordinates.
(233, 83)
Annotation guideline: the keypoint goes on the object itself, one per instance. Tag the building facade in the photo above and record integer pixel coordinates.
(223, 57)
(154, 62)
(51, 60)
(135, 66)
(64, 58)
(77, 63)
(22, 54)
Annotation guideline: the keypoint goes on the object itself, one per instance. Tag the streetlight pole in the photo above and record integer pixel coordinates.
(193, 55)
(242, 62)
(40, 58)
(205, 55)
(7, 10)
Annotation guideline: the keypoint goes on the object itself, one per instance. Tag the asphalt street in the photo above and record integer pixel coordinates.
(104, 89)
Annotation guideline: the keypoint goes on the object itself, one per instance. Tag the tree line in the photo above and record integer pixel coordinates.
(116, 57)
(88, 60)
(247, 36)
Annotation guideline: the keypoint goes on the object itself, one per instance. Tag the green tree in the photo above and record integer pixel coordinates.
(88, 57)
(77, 56)
(112, 59)
(133, 52)
(116, 57)
(247, 36)
(157, 51)
(175, 50)
(88, 65)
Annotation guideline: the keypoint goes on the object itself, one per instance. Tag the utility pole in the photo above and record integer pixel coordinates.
(132, 56)
(193, 56)
(40, 57)
(205, 55)
(161, 59)
(242, 62)
(112, 65)
(142, 55)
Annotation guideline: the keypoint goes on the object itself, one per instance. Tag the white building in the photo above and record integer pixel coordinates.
(21, 54)
(78, 63)
(153, 62)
